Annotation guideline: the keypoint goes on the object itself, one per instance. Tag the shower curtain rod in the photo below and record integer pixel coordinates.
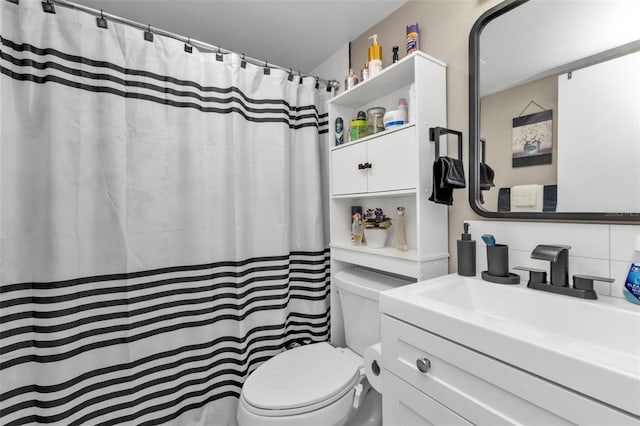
(330, 84)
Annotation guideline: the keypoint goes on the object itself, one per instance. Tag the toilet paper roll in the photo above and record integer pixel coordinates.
(373, 366)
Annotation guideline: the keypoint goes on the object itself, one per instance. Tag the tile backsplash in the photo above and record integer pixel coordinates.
(601, 250)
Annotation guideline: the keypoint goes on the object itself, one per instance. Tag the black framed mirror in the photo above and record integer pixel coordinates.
(554, 94)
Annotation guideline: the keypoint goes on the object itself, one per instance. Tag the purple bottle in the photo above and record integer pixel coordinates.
(413, 38)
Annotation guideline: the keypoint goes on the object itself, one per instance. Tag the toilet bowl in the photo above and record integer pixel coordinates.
(319, 384)
(315, 384)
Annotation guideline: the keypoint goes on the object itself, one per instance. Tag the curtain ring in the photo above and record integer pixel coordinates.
(101, 21)
(187, 46)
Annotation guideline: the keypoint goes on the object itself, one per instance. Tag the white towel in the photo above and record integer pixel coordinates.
(527, 198)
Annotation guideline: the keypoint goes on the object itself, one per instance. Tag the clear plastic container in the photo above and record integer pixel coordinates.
(375, 121)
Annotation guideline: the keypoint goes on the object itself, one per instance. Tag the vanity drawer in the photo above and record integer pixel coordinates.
(481, 389)
(404, 405)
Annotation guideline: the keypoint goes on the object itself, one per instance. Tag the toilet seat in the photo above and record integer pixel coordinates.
(299, 381)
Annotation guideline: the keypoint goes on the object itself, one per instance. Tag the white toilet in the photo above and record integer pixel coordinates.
(318, 384)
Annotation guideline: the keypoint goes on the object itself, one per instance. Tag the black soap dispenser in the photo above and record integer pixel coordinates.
(466, 254)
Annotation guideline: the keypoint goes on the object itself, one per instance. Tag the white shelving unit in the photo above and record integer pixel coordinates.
(401, 175)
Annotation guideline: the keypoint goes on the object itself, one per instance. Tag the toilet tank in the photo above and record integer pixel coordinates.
(359, 292)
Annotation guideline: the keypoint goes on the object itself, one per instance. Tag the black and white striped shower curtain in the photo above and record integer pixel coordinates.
(161, 229)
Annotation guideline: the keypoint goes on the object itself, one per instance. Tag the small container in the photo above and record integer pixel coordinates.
(498, 260)
(358, 127)
(364, 74)
(375, 122)
(351, 80)
(393, 118)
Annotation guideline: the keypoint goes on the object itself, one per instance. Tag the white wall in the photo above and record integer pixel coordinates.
(335, 67)
(596, 249)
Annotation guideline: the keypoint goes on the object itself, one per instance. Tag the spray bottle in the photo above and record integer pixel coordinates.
(413, 38)
(375, 56)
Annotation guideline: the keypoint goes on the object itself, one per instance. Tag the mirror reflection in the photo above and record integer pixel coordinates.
(559, 85)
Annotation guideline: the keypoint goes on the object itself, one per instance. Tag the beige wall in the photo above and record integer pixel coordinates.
(444, 34)
(498, 111)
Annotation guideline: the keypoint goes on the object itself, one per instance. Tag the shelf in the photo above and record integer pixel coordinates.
(389, 259)
(389, 251)
(374, 136)
(381, 194)
(395, 76)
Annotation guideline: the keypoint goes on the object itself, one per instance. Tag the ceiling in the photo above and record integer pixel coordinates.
(298, 34)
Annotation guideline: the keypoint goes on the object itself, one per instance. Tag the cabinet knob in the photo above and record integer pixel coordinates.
(423, 364)
(367, 165)
(360, 166)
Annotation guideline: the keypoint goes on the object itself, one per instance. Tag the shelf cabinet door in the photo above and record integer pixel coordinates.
(394, 165)
(346, 178)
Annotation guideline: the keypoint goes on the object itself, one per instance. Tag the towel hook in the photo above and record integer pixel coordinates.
(436, 132)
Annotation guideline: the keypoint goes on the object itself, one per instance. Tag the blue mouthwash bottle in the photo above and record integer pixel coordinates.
(631, 288)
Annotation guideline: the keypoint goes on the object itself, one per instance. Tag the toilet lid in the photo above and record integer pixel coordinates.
(300, 377)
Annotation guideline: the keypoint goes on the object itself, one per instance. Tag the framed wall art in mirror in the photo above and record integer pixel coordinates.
(554, 93)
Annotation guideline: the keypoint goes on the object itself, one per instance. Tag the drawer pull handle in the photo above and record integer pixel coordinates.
(423, 364)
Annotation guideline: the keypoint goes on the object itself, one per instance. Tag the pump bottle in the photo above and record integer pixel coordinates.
(375, 56)
(466, 254)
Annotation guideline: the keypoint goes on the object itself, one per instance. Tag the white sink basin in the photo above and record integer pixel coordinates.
(592, 347)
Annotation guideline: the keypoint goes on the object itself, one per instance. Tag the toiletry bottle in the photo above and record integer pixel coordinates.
(339, 131)
(357, 229)
(404, 108)
(631, 289)
(466, 254)
(394, 49)
(413, 38)
(364, 74)
(401, 243)
(351, 80)
(358, 127)
(375, 57)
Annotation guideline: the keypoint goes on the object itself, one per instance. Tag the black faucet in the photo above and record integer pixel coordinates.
(559, 258)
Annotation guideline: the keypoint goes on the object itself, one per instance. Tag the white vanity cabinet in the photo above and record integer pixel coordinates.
(430, 380)
(387, 170)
